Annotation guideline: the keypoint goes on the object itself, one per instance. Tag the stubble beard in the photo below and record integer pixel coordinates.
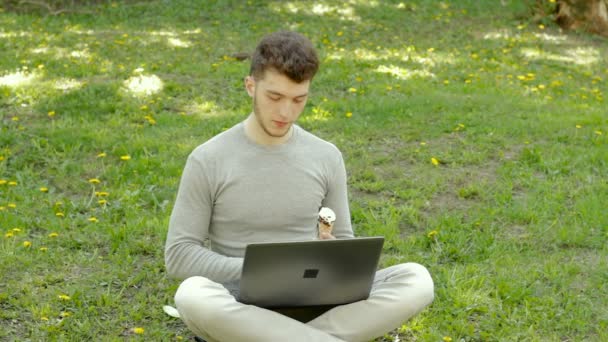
(258, 117)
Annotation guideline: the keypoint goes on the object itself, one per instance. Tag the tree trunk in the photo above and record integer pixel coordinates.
(588, 15)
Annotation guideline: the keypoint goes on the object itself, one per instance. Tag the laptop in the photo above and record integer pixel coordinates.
(317, 273)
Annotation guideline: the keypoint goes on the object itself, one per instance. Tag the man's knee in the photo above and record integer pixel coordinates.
(419, 280)
(191, 298)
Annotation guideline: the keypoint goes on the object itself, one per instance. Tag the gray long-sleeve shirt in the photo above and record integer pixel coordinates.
(234, 192)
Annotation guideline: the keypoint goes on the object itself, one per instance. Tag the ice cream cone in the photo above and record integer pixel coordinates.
(327, 217)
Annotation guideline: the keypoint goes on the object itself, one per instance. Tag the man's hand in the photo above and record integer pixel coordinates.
(326, 236)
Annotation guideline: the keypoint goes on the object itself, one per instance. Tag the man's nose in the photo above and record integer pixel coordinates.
(286, 110)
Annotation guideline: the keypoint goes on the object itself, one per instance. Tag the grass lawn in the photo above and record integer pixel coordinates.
(475, 140)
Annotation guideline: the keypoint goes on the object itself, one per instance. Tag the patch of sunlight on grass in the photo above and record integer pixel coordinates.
(203, 109)
(59, 53)
(403, 73)
(408, 54)
(18, 79)
(67, 84)
(319, 8)
(143, 85)
(580, 55)
(507, 35)
(15, 34)
(176, 42)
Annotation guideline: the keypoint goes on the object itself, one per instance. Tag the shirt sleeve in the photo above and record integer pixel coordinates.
(185, 253)
(337, 199)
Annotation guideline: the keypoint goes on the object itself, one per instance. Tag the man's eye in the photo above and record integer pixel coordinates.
(274, 98)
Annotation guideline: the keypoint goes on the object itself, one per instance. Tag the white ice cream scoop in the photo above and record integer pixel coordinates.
(327, 216)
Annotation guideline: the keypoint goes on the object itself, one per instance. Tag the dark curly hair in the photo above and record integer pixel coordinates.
(289, 53)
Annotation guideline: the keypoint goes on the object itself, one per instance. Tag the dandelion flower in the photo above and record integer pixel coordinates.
(102, 201)
(101, 155)
(51, 114)
(12, 205)
(27, 244)
(352, 90)
(53, 235)
(138, 330)
(60, 214)
(94, 181)
(422, 143)
(43, 249)
(447, 339)
(12, 183)
(579, 126)
(125, 157)
(432, 234)
(435, 161)
(44, 318)
(64, 297)
(101, 193)
(93, 219)
(349, 114)
(3, 181)
(44, 189)
(16, 230)
(9, 235)
(65, 314)
(596, 132)
(15, 118)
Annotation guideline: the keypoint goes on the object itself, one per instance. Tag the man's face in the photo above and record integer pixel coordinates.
(277, 101)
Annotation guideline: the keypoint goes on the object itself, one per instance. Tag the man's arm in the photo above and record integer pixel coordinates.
(185, 254)
(337, 199)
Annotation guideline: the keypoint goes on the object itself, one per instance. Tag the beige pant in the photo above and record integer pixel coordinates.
(398, 293)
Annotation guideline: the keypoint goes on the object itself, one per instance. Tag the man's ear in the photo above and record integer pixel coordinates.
(250, 85)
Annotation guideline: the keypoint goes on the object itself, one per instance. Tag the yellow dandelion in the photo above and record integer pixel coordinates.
(93, 219)
(102, 201)
(43, 249)
(1, 158)
(44, 189)
(9, 235)
(51, 113)
(596, 132)
(3, 181)
(446, 82)
(44, 318)
(138, 330)
(15, 118)
(435, 161)
(101, 193)
(541, 26)
(101, 155)
(12, 183)
(53, 235)
(447, 339)
(94, 181)
(579, 126)
(352, 90)
(340, 33)
(144, 107)
(12, 205)
(65, 314)
(432, 234)
(27, 244)
(64, 297)
(422, 143)
(59, 214)
(125, 157)
(349, 114)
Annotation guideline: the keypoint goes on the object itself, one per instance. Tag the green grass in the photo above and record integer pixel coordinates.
(512, 222)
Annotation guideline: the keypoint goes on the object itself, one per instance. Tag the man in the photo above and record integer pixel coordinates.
(265, 180)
